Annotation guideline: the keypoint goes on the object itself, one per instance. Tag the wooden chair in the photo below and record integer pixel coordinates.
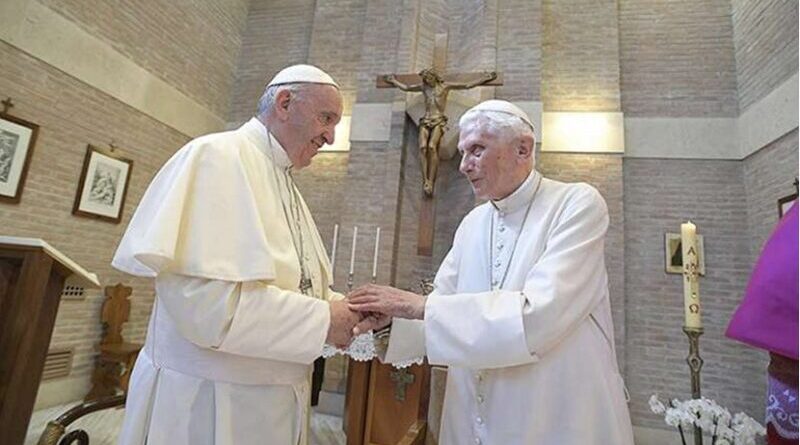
(115, 363)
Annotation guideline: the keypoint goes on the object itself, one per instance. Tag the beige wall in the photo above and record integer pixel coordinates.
(101, 89)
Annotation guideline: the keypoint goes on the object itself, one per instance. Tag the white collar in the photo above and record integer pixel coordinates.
(520, 197)
(266, 142)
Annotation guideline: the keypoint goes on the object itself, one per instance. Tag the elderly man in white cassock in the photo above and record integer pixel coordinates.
(520, 310)
(243, 305)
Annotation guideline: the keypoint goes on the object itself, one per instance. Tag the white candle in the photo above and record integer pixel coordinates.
(333, 249)
(353, 251)
(691, 288)
(375, 257)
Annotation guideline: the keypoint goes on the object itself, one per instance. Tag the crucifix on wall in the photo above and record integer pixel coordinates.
(435, 87)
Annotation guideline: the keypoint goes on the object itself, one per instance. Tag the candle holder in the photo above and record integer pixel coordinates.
(695, 365)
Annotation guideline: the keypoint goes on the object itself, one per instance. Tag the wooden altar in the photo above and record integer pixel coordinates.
(32, 275)
(386, 406)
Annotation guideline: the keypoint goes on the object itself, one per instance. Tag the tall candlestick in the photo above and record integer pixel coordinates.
(333, 249)
(375, 257)
(691, 288)
(353, 251)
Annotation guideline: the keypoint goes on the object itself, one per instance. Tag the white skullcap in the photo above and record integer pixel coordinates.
(502, 106)
(302, 74)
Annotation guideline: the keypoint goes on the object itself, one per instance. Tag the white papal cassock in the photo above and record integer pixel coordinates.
(231, 338)
(531, 359)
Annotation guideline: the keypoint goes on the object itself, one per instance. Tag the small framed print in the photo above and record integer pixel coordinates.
(103, 185)
(785, 203)
(17, 138)
(673, 251)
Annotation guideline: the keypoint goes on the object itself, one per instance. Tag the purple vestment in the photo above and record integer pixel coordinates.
(767, 317)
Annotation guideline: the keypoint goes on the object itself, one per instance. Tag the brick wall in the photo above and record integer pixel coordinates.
(80, 115)
(677, 58)
(659, 195)
(173, 40)
(278, 34)
(336, 43)
(768, 175)
(765, 37)
(519, 52)
(580, 55)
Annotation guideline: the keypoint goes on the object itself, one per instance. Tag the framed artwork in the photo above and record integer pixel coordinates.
(673, 253)
(785, 203)
(17, 138)
(103, 185)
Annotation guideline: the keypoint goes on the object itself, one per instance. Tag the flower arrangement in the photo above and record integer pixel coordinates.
(711, 418)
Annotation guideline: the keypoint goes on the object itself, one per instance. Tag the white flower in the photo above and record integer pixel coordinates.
(710, 417)
(673, 417)
(655, 405)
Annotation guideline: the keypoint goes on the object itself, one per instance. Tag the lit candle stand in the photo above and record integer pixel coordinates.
(693, 323)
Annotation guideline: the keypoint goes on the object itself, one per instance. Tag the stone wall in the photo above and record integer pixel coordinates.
(677, 58)
(173, 40)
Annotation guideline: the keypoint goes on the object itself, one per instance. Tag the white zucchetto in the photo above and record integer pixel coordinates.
(502, 106)
(302, 74)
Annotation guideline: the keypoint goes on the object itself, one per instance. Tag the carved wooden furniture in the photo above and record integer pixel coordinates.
(114, 365)
(32, 275)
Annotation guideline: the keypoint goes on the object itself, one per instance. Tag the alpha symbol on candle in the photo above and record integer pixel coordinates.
(694, 308)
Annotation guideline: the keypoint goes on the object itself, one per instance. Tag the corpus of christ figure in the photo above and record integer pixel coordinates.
(433, 124)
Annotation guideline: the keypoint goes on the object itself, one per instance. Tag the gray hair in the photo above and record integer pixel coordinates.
(267, 100)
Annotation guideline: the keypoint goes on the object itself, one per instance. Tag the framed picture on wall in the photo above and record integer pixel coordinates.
(785, 203)
(17, 138)
(103, 185)
(673, 250)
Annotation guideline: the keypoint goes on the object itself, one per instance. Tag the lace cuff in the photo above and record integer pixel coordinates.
(362, 349)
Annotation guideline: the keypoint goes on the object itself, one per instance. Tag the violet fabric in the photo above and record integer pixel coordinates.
(767, 317)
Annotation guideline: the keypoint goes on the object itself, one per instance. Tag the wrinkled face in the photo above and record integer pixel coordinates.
(309, 119)
(490, 161)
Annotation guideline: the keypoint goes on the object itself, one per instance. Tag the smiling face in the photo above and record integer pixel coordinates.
(306, 120)
(495, 160)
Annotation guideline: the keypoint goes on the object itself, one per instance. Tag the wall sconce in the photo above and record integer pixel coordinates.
(583, 132)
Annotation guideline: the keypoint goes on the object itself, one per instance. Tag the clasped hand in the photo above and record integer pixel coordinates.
(371, 307)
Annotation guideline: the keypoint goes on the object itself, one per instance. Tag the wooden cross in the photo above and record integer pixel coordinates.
(7, 104)
(435, 86)
(401, 378)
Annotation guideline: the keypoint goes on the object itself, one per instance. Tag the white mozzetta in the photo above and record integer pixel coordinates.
(46, 35)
